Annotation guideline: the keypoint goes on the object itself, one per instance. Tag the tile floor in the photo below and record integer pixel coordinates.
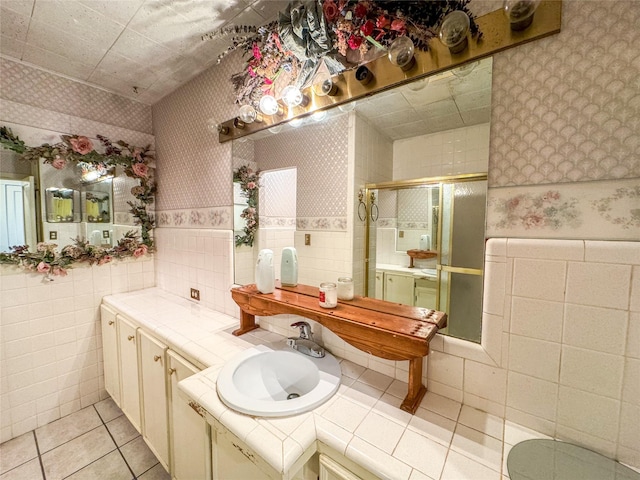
(98, 442)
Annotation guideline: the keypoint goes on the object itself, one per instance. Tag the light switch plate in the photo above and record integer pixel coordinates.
(195, 294)
(307, 239)
(53, 235)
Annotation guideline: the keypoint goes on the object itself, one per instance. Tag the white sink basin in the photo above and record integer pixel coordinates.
(274, 383)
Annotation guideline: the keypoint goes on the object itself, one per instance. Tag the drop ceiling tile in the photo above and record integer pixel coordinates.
(438, 109)
(114, 84)
(473, 100)
(76, 19)
(13, 24)
(42, 35)
(141, 50)
(269, 9)
(23, 7)
(120, 11)
(199, 10)
(475, 81)
(11, 46)
(408, 130)
(446, 122)
(122, 68)
(429, 94)
(53, 61)
(476, 116)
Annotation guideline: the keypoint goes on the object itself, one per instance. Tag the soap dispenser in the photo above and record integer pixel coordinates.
(265, 273)
(289, 267)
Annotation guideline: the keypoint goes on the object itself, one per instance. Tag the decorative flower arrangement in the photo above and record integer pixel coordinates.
(249, 184)
(47, 260)
(269, 69)
(137, 163)
(353, 25)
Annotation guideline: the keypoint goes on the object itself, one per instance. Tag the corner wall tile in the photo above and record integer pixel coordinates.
(595, 372)
(626, 253)
(586, 412)
(600, 285)
(541, 279)
(545, 249)
(583, 328)
(485, 381)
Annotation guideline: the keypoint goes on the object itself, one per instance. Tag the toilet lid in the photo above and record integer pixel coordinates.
(541, 459)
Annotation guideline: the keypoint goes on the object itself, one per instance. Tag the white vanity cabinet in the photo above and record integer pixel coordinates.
(425, 292)
(142, 375)
(129, 378)
(188, 431)
(153, 373)
(398, 288)
(110, 353)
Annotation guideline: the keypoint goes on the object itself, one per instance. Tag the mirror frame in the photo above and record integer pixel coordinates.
(497, 36)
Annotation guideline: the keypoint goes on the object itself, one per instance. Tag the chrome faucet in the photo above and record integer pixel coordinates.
(304, 343)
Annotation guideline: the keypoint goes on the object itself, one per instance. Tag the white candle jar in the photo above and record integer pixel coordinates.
(328, 295)
(345, 288)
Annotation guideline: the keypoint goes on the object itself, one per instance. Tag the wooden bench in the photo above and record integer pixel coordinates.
(383, 329)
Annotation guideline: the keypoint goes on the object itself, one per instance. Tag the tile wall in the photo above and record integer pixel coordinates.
(51, 345)
(462, 150)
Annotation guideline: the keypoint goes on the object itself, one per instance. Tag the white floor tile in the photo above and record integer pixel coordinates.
(458, 467)
(478, 446)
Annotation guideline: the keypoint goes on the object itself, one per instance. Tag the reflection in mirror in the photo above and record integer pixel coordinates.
(77, 201)
(433, 127)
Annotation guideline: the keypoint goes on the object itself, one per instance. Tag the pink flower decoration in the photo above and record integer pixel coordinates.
(354, 42)
(140, 170)
(360, 10)
(105, 259)
(58, 162)
(140, 251)
(330, 10)
(251, 185)
(398, 26)
(256, 52)
(382, 22)
(43, 267)
(367, 28)
(59, 271)
(81, 145)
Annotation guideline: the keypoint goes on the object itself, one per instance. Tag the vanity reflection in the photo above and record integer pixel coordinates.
(428, 129)
(42, 203)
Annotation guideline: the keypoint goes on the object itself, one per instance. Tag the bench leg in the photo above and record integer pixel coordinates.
(416, 390)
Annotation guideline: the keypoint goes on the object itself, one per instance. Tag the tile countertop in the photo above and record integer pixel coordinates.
(444, 440)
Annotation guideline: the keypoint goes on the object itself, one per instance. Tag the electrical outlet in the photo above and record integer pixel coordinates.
(53, 235)
(105, 233)
(401, 234)
(307, 239)
(195, 294)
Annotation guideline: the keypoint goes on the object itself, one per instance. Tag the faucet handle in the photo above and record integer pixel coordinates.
(305, 329)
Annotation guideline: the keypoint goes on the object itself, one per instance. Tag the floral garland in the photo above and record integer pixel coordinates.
(137, 162)
(249, 184)
(353, 25)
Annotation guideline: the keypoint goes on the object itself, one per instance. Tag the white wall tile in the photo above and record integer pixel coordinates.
(599, 284)
(495, 285)
(445, 369)
(537, 318)
(635, 290)
(595, 372)
(631, 384)
(541, 279)
(545, 249)
(626, 253)
(583, 328)
(532, 396)
(536, 358)
(633, 336)
(567, 434)
(589, 413)
(485, 381)
(629, 421)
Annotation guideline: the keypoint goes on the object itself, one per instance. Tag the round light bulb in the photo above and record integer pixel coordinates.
(292, 96)
(347, 107)
(296, 122)
(520, 12)
(276, 129)
(269, 105)
(319, 116)
(248, 114)
(401, 53)
(454, 29)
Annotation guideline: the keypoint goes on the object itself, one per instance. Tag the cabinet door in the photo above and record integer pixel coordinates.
(332, 470)
(154, 396)
(190, 448)
(130, 388)
(110, 353)
(426, 293)
(233, 460)
(379, 285)
(398, 288)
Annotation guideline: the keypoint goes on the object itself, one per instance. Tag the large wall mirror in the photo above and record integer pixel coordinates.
(42, 203)
(422, 149)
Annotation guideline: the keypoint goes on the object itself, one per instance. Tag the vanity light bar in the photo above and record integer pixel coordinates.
(497, 36)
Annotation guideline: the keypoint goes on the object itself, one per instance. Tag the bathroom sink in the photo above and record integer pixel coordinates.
(428, 272)
(274, 383)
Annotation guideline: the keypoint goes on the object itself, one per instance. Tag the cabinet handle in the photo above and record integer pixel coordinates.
(130, 337)
(110, 322)
(172, 371)
(156, 358)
